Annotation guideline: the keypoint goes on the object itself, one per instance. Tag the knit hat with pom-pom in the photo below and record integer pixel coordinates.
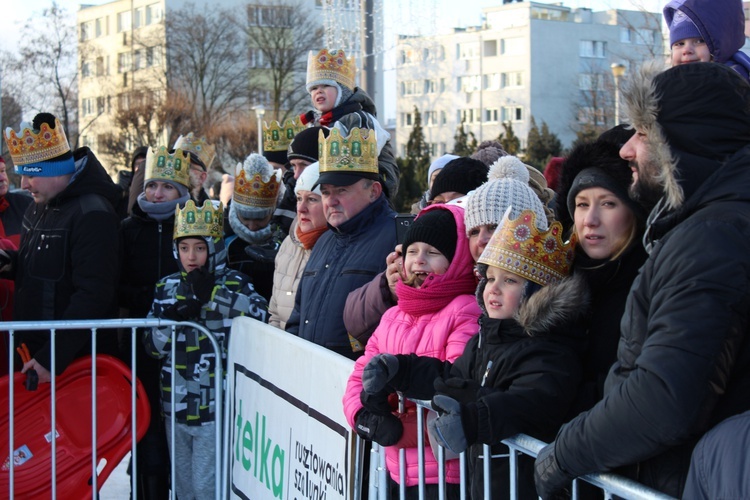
(507, 185)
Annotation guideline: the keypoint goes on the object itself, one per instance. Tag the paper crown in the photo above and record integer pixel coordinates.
(28, 147)
(356, 153)
(253, 191)
(198, 146)
(277, 137)
(199, 221)
(331, 65)
(519, 247)
(163, 166)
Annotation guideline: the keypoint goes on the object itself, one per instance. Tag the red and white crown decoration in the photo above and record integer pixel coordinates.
(331, 65)
(519, 247)
(27, 146)
(251, 189)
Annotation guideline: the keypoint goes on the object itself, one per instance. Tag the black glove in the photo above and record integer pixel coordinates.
(385, 430)
(202, 282)
(550, 479)
(376, 403)
(461, 389)
(456, 425)
(183, 310)
(264, 254)
(6, 261)
(378, 372)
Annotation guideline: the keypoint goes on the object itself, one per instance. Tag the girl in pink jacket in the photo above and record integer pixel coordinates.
(435, 316)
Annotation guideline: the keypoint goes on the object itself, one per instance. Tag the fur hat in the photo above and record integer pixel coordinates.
(507, 186)
(460, 175)
(436, 228)
(488, 152)
(695, 117)
(304, 146)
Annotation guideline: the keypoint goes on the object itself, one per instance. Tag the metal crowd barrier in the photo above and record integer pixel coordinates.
(97, 325)
(612, 485)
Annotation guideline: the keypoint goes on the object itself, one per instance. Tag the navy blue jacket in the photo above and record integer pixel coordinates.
(343, 259)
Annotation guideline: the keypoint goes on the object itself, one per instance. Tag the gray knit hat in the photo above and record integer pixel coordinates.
(507, 185)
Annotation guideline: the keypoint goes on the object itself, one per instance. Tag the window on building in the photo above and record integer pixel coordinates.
(257, 58)
(86, 30)
(87, 141)
(442, 85)
(511, 79)
(591, 115)
(123, 62)
(443, 118)
(100, 66)
(430, 118)
(408, 119)
(467, 50)
(443, 148)
(101, 102)
(492, 81)
(512, 114)
(644, 37)
(512, 46)
(264, 15)
(548, 14)
(87, 106)
(154, 13)
(139, 60)
(593, 48)
(125, 79)
(591, 81)
(470, 115)
(491, 114)
(430, 86)
(490, 48)
(123, 21)
(98, 27)
(138, 17)
(627, 35)
(433, 149)
(85, 69)
(410, 87)
(150, 56)
(469, 83)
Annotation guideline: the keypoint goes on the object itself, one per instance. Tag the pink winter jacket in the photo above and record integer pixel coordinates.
(411, 327)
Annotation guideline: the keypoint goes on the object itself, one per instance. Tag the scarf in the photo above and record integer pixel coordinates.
(329, 118)
(432, 297)
(253, 237)
(160, 211)
(309, 238)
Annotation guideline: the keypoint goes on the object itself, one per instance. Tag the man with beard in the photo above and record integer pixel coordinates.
(683, 362)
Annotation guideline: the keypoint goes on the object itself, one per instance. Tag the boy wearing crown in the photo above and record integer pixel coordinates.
(204, 291)
(67, 265)
(340, 104)
(520, 373)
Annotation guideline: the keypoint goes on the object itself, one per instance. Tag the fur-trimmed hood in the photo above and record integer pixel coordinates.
(695, 116)
(563, 303)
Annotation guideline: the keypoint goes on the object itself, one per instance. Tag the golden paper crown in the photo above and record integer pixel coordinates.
(277, 137)
(163, 166)
(253, 192)
(330, 65)
(519, 247)
(197, 146)
(28, 146)
(199, 221)
(356, 153)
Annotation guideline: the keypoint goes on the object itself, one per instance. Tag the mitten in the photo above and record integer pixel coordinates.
(549, 477)
(183, 310)
(461, 389)
(456, 425)
(385, 430)
(202, 282)
(378, 372)
(376, 403)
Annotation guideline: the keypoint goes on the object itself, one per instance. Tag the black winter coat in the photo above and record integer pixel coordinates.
(68, 263)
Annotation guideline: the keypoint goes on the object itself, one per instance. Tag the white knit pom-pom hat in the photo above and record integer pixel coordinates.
(507, 185)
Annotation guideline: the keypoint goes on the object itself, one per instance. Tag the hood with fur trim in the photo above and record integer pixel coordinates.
(561, 303)
(695, 116)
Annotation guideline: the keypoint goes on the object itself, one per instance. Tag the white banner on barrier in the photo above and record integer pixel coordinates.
(288, 435)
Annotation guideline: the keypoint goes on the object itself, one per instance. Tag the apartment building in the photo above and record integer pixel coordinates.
(124, 52)
(528, 59)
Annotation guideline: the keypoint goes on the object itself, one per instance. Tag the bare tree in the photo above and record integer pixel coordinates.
(47, 67)
(280, 35)
(206, 66)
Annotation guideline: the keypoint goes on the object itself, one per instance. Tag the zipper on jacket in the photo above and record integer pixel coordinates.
(486, 372)
(158, 262)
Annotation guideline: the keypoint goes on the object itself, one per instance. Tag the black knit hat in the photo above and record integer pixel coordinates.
(304, 146)
(276, 157)
(460, 175)
(435, 227)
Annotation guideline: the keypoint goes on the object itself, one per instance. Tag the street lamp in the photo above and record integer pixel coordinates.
(618, 70)
(259, 112)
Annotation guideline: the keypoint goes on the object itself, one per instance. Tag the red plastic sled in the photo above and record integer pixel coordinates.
(33, 424)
